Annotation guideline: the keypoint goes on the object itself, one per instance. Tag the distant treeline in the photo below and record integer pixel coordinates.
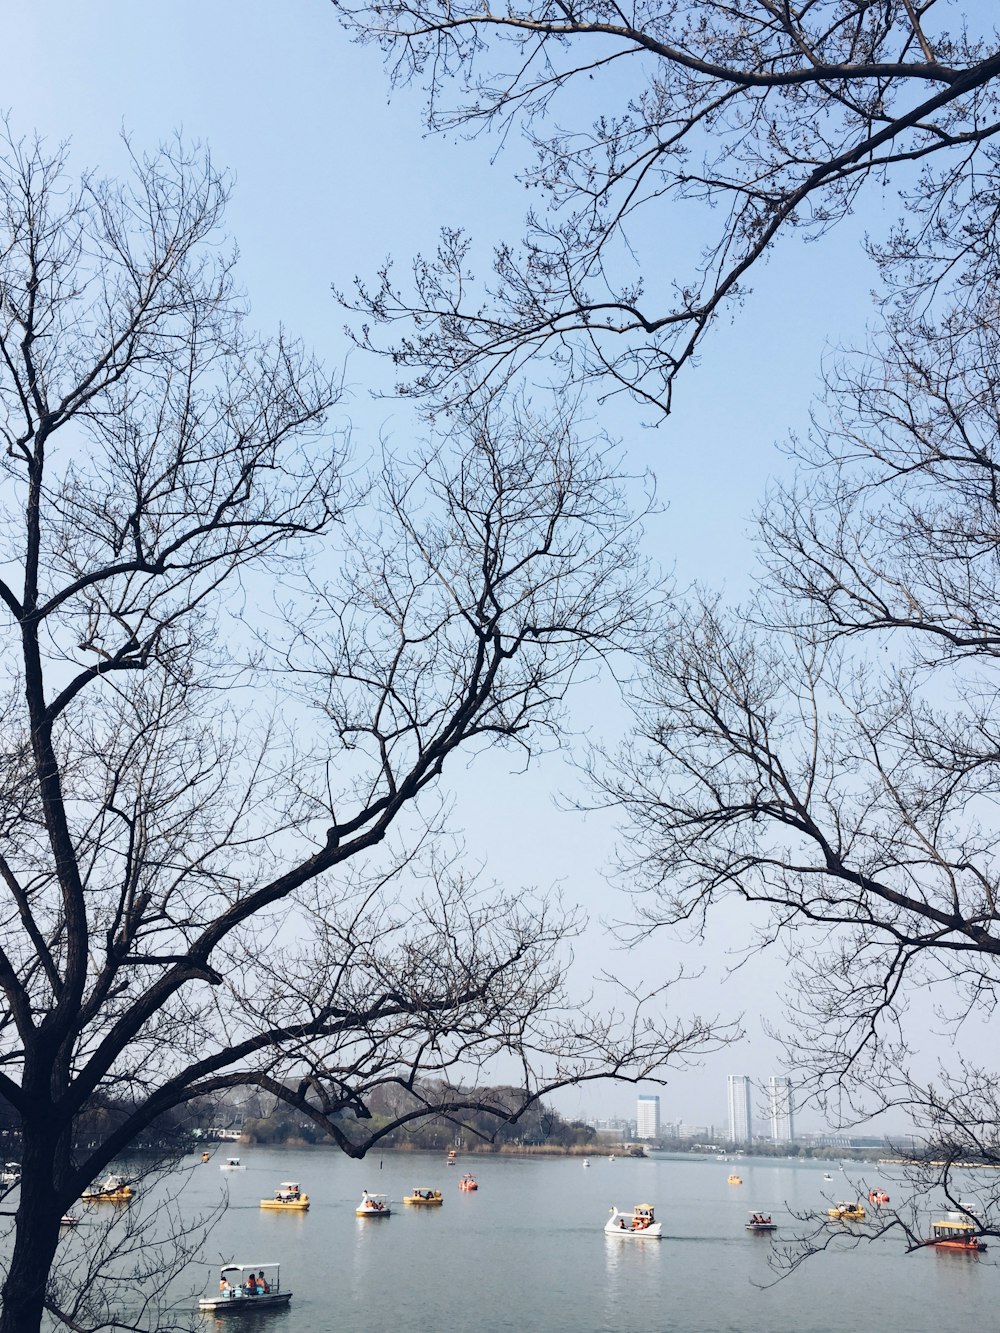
(539, 1125)
(262, 1119)
(824, 1152)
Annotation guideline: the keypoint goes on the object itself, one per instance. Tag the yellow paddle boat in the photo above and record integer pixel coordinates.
(288, 1198)
(846, 1212)
(956, 1232)
(424, 1198)
(112, 1189)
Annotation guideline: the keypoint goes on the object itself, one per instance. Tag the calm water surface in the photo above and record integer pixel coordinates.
(527, 1252)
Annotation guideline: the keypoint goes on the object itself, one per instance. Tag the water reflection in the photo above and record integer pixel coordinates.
(276, 1318)
(631, 1256)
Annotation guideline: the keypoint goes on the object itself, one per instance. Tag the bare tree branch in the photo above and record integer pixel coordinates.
(774, 117)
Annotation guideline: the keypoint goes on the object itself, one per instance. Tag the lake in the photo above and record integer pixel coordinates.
(528, 1251)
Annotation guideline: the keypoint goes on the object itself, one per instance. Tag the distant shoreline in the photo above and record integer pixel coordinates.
(471, 1150)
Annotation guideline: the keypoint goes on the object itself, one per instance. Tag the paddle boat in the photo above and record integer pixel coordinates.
(468, 1182)
(69, 1220)
(373, 1205)
(612, 1158)
(451, 1157)
(878, 1197)
(112, 1189)
(827, 1176)
(586, 1161)
(241, 1291)
(846, 1212)
(735, 1180)
(232, 1164)
(956, 1232)
(288, 1198)
(10, 1174)
(641, 1222)
(425, 1198)
(760, 1222)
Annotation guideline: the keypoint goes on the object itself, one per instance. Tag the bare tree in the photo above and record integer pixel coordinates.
(131, 1268)
(232, 677)
(832, 752)
(765, 117)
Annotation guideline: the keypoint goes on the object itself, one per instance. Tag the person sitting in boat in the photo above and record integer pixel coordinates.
(263, 1286)
(621, 1224)
(251, 1285)
(224, 1285)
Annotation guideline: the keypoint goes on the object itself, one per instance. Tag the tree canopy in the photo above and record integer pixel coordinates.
(764, 118)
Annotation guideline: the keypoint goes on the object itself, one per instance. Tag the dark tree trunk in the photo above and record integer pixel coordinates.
(36, 1235)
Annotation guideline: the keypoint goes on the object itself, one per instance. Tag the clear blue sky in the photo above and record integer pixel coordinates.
(330, 176)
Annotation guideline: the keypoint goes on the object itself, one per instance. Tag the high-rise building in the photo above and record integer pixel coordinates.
(647, 1117)
(780, 1108)
(740, 1114)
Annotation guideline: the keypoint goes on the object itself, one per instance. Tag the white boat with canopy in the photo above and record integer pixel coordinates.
(373, 1205)
(247, 1289)
(640, 1223)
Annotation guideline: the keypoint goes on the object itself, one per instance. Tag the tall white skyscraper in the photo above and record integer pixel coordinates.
(740, 1114)
(780, 1108)
(647, 1117)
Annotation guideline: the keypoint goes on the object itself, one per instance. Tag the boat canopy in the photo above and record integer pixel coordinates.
(289, 1185)
(247, 1268)
(963, 1227)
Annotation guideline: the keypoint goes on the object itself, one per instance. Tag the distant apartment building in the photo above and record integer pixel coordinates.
(780, 1109)
(702, 1132)
(616, 1127)
(740, 1114)
(647, 1117)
